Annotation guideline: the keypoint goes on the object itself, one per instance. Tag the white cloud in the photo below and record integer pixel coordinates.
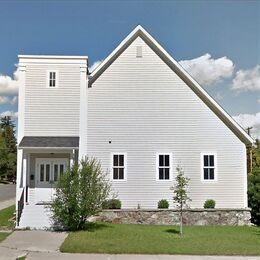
(208, 71)
(258, 100)
(14, 100)
(219, 96)
(8, 100)
(250, 120)
(4, 100)
(9, 86)
(94, 65)
(9, 113)
(247, 80)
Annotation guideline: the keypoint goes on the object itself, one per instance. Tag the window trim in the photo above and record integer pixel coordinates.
(215, 166)
(56, 79)
(125, 166)
(170, 166)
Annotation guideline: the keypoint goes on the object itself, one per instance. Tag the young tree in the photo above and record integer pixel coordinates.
(80, 193)
(180, 190)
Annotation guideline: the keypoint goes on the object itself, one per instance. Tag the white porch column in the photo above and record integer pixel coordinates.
(72, 156)
(24, 169)
(19, 174)
(83, 113)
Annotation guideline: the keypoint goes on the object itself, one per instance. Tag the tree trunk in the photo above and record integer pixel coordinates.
(181, 223)
(181, 219)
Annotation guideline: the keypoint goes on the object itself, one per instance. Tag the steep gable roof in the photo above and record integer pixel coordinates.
(180, 71)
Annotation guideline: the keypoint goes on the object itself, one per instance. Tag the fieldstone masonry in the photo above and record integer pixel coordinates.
(201, 217)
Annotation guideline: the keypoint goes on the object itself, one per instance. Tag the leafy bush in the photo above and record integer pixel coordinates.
(112, 204)
(209, 204)
(80, 193)
(163, 204)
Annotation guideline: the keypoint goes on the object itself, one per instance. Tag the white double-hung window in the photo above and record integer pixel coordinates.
(119, 166)
(164, 167)
(209, 166)
(52, 78)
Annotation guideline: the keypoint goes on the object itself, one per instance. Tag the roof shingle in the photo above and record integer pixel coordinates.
(49, 141)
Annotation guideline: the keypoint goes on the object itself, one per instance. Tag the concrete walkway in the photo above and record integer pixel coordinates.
(45, 245)
(35, 241)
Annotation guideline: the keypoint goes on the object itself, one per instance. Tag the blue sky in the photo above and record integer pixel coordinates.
(227, 31)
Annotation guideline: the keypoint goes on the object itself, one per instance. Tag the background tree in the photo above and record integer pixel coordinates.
(80, 193)
(3, 157)
(254, 187)
(180, 190)
(8, 149)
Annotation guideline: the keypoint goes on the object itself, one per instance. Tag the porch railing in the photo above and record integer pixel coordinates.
(20, 207)
(26, 194)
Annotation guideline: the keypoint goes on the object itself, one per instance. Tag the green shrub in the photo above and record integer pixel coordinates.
(163, 204)
(80, 193)
(112, 204)
(209, 204)
(254, 186)
(254, 195)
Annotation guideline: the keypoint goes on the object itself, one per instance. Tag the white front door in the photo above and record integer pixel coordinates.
(48, 170)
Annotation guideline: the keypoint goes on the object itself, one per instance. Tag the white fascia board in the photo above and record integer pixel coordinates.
(47, 148)
(174, 65)
(25, 59)
(115, 51)
(52, 57)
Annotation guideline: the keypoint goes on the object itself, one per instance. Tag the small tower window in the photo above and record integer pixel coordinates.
(52, 79)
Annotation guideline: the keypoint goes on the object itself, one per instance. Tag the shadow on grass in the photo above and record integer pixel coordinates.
(257, 231)
(92, 227)
(172, 231)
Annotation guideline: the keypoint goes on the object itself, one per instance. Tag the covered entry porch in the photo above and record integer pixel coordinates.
(41, 161)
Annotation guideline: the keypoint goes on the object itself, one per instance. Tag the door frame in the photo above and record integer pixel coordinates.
(50, 161)
(46, 193)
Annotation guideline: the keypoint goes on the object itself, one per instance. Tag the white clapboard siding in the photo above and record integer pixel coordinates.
(52, 111)
(144, 108)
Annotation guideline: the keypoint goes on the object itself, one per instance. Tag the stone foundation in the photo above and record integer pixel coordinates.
(200, 217)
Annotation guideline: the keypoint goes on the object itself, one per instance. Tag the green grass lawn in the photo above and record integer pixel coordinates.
(5, 215)
(148, 239)
(3, 235)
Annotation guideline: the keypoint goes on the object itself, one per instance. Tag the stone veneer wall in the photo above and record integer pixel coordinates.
(234, 217)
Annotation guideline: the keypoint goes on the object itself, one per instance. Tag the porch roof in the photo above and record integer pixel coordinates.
(49, 142)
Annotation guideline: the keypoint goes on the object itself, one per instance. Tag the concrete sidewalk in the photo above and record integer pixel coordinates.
(7, 195)
(64, 256)
(7, 203)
